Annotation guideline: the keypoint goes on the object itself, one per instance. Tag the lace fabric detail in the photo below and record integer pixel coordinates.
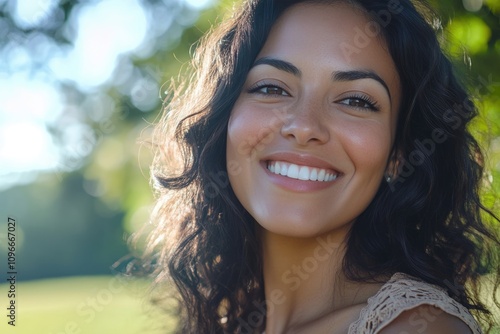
(402, 293)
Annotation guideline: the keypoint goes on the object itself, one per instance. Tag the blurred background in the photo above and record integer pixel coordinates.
(81, 83)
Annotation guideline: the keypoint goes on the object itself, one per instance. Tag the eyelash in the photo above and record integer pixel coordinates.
(256, 89)
(372, 104)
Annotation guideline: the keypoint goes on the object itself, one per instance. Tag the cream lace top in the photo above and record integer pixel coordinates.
(402, 293)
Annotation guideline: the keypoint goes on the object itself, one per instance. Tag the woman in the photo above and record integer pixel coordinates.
(328, 182)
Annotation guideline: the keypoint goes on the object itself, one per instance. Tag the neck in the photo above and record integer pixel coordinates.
(302, 277)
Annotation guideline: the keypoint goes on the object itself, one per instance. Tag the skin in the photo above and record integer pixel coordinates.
(426, 319)
(311, 118)
(296, 107)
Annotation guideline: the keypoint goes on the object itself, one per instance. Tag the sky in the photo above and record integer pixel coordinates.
(31, 100)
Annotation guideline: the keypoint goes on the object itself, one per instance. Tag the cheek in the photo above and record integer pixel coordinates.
(368, 145)
(250, 131)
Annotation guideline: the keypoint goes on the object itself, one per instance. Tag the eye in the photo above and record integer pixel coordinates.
(266, 89)
(360, 102)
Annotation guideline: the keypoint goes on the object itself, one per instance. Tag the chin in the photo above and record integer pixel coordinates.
(302, 228)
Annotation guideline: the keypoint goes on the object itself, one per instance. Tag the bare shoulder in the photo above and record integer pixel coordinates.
(426, 319)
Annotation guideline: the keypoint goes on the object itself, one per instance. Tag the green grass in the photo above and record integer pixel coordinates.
(81, 305)
(85, 305)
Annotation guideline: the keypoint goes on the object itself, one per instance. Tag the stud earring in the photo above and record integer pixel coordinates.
(388, 179)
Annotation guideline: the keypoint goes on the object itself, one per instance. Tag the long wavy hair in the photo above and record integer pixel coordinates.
(428, 221)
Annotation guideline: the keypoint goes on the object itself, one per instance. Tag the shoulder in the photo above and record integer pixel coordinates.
(406, 304)
(426, 319)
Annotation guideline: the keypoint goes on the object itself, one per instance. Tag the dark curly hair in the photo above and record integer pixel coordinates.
(428, 221)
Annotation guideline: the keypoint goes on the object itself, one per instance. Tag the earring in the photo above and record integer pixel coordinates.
(388, 179)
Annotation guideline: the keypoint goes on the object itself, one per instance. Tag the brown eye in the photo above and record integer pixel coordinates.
(274, 91)
(270, 90)
(360, 103)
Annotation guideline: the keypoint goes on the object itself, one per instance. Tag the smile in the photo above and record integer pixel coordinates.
(298, 172)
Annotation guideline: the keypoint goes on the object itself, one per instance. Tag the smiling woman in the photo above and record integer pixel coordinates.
(339, 122)
(295, 210)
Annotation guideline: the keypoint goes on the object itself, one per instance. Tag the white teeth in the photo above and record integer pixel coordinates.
(305, 173)
(283, 169)
(314, 175)
(293, 171)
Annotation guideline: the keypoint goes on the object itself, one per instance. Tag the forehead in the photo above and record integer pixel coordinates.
(331, 37)
(338, 23)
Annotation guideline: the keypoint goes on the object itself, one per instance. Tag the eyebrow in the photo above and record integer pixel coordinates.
(359, 74)
(336, 76)
(279, 64)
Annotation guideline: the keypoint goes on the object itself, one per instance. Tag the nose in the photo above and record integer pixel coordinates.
(304, 125)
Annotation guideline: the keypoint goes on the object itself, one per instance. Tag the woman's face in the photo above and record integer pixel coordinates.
(310, 135)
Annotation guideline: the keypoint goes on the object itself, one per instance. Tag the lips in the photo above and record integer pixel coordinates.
(301, 172)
